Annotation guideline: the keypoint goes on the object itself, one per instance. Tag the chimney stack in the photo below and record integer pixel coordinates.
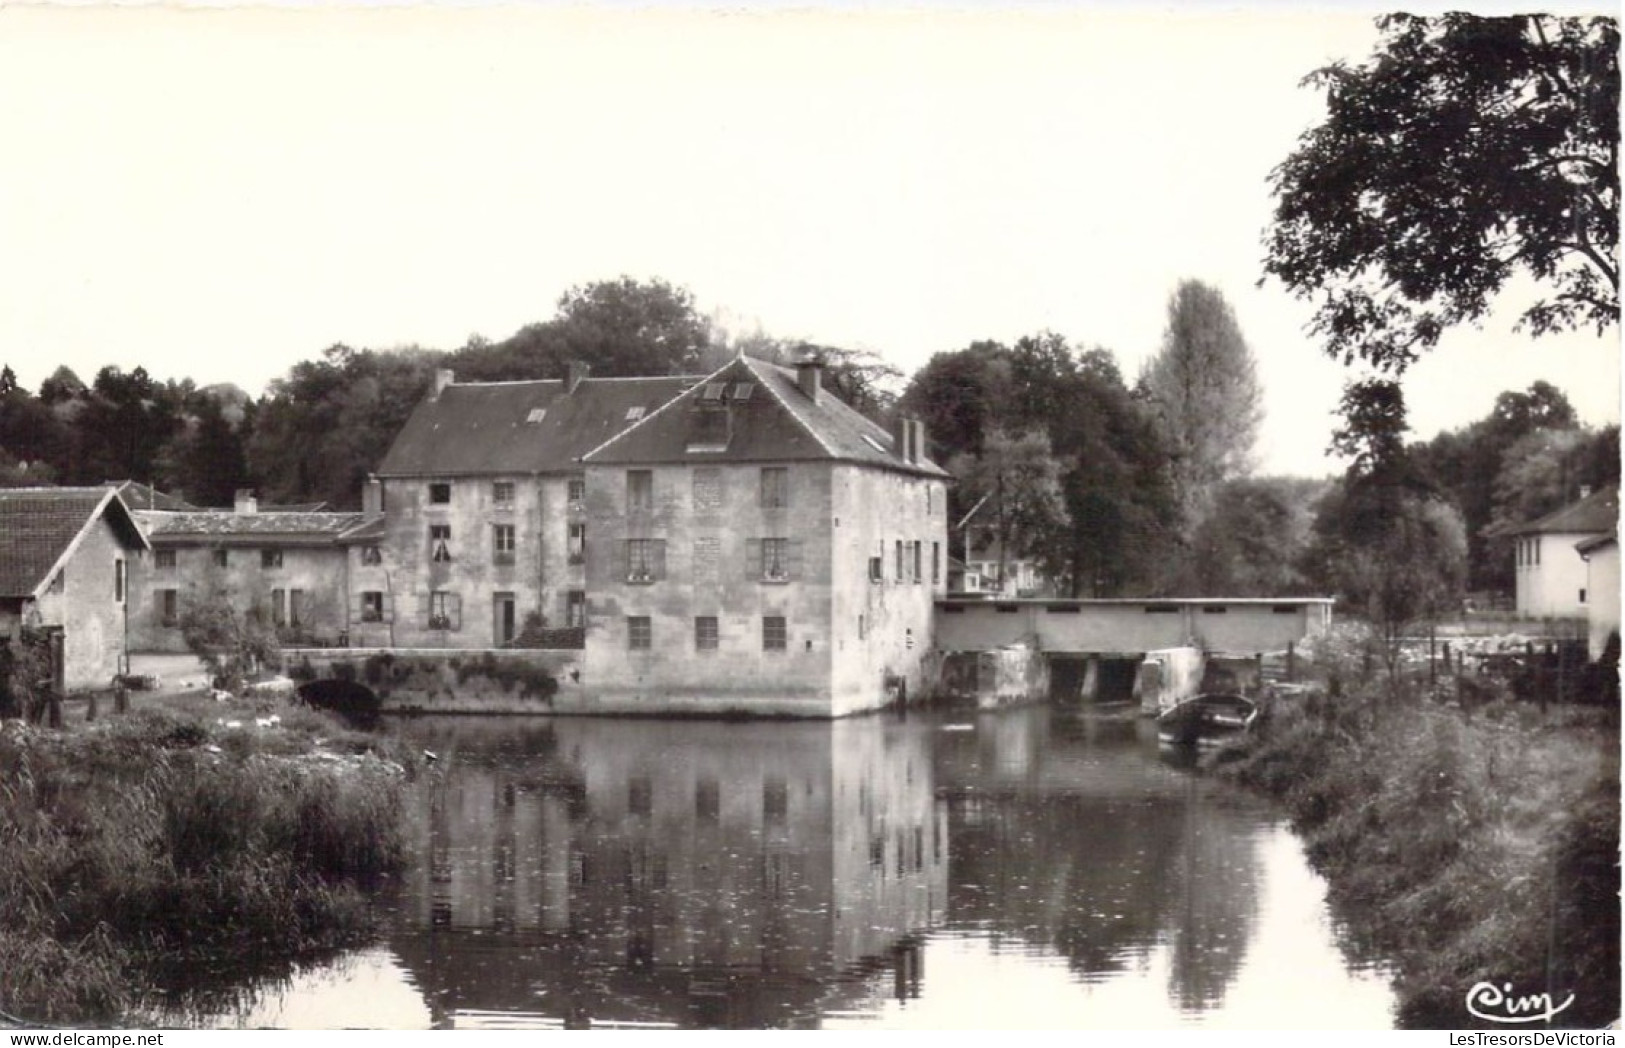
(919, 441)
(443, 377)
(903, 438)
(810, 377)
(574, 372)
(372, 498)
(1585, 491)
(245, 503)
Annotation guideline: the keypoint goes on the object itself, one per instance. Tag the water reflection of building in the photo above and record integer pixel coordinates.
(671, 872)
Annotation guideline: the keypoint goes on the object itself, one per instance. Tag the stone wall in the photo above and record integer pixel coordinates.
(993, 679)
(320, 573)
(84, 604)
(448, 681)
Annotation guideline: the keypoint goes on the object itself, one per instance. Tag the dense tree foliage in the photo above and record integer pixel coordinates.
(1015, 483)
(1203, 391)
(1252, 540)
(1467, 150)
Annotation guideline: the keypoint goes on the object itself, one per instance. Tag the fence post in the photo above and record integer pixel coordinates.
(1291, 662)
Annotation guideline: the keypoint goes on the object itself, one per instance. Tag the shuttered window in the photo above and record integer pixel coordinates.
(444, 611)
(773, 559)
(645, 560)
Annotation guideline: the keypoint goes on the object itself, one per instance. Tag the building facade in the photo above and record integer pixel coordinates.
(1550, 576)
(759, 545)
(65, 558)
(483, 501)
(290, 568)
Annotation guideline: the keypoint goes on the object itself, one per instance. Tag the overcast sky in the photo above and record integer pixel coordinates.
(218, 193)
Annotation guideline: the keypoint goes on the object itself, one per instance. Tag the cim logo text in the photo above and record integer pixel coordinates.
(1497, 1004)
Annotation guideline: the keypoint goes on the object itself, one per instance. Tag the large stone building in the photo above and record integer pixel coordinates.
(757, 544)
(482, 496)
(64, 566)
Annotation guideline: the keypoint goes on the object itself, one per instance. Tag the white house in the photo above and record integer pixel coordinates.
(1551, 576)
(1601, 556)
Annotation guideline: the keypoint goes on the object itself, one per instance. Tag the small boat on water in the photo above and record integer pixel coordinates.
(1206, 719)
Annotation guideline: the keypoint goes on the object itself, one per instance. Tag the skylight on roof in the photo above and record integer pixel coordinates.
(877, 445)
(713, 390)
(635, 413)
(536, 415)
(742, 390)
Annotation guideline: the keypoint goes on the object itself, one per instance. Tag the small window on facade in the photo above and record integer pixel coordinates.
(439, 494)
(372, 606)
(775, 634)
(372, 555)
(163, 559)
(298, 612)
(876, 574)
(576, 491)
(639, 633)
(775, 560)
(440, 543)
(502, 492)
(270, 559)
(575, 609)
(936, 562)
(640, 491)
(279, 608)
(576, 550)
(899, 575)
(919, 573)
(645, 560)
(502, 543)
(445, 611)
(775, 487)
(219, 557)
(863, 627)
(1582, 595)
(705, 633)
(169, 607)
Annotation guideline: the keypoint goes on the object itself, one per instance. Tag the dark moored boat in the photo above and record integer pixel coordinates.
(1206, 719)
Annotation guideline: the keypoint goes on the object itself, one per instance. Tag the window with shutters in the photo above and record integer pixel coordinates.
(371, 555)
(775, 487)
(576, 492)
(773, 559)
(645, 560)
(576, 544)
(372, 606)
(279, 607)
(298, 608)
(639, 633)
(440, 543)
(775, 633)
(502, 543)
(640, 491)
(445, 611)
(705, 633)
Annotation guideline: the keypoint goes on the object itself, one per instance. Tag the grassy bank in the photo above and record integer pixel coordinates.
(1465, 847)
(166, 835)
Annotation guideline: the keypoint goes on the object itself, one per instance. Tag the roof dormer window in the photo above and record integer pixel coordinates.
(634, 413)
(536, 415)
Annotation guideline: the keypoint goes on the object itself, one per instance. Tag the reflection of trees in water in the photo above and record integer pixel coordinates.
(1213, 897)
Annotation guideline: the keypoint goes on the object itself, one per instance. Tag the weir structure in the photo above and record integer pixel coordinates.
(1156, 651)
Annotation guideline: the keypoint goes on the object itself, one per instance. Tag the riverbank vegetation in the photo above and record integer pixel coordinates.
(182, 835)
(1464, 843)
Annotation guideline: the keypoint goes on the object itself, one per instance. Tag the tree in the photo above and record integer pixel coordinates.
(232, 644)
(1203, 391)
(1252, 540)
(1017, 481)
(958, 396)
(1466, 151)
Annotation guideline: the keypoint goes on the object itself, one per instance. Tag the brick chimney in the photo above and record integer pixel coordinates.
(810, 377)
(574, 372)
(245, 502)
(443, 377)
(372, 498)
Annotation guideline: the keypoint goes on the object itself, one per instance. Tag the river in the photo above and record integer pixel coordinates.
(1030, 868)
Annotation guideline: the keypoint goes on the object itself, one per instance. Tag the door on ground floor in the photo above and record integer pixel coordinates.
(502, 619)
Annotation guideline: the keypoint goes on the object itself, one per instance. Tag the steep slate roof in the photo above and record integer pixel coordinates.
(368, 531)
(483, 427)
(1596, 542)
(776, 423)
(41, 527)
(1597, 512)
(225, 528)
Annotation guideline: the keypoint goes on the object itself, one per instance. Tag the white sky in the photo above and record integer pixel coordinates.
(219, 193)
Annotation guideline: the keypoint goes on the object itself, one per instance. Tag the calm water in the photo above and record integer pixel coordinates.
(1028, 868)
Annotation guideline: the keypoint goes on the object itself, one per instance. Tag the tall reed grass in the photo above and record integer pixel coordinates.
(141, 839)
(1465, 847)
